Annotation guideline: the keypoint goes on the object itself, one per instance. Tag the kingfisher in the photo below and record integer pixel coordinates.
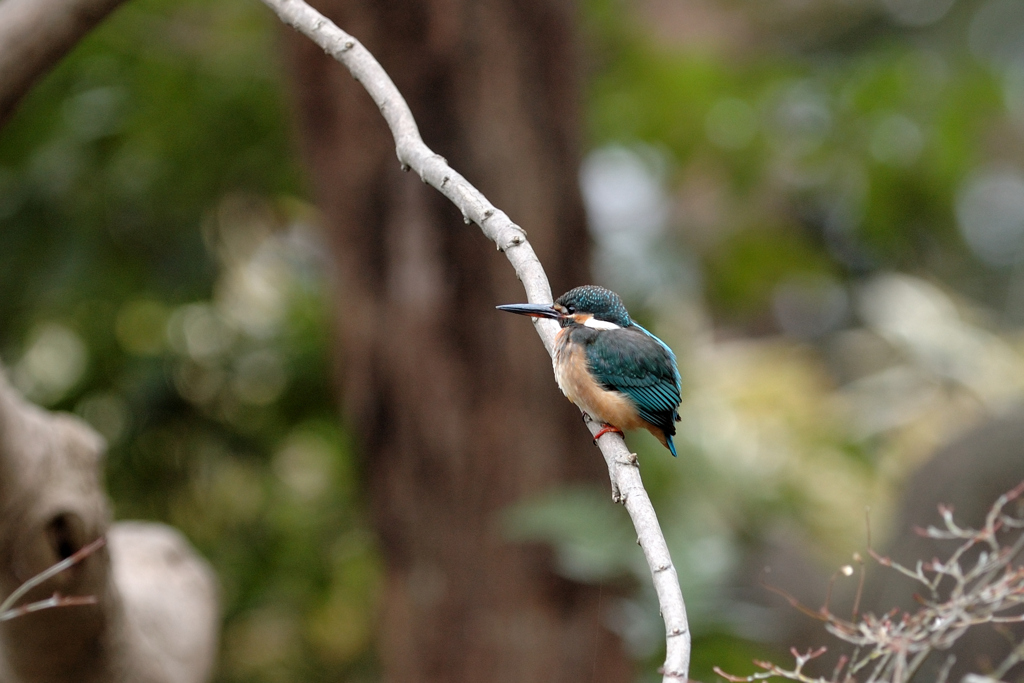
(614, 370)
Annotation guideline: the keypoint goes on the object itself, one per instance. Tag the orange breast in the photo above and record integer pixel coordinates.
(609, 407)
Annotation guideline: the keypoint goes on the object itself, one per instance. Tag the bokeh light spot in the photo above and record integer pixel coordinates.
(260, 377)
(199, 331)
(917, 12)
(107, 413)
(896, 140)
(305, 465)
(990, 213)
(54, 360)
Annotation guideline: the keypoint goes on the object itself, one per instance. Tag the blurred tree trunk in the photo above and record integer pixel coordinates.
(454, 405)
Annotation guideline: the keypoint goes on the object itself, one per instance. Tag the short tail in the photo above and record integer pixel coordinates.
(664, 436)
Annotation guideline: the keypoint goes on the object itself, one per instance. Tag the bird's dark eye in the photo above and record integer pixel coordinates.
(570, 308)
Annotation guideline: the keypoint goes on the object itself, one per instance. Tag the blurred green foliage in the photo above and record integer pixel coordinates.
(839, 151)
(802, 151)
(159, 277)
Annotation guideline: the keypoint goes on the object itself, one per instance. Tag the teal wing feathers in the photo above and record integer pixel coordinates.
(636, 363)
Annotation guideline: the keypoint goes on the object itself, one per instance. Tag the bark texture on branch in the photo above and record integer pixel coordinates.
(423, 379)
(156, 617)
(35, 35)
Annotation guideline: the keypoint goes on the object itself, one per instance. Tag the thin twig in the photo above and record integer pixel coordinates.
(55, 600)
(821, 614)
(9, 611)
(1011, 661)
(860, 585)
(434, 170)
(947, 666)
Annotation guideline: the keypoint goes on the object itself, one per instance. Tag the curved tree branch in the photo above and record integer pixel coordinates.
(35, 35)
(627, 487)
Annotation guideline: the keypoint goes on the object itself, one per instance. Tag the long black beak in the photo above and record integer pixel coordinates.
(532, 310)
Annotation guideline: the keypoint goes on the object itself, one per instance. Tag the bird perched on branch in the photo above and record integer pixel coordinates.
(614, 370)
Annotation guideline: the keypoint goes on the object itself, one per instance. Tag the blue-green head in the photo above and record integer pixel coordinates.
(588, 305)
(590, 300)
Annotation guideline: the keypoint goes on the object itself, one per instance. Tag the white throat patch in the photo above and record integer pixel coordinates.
(600, 324)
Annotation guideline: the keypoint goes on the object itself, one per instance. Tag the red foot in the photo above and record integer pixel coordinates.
(606, 429)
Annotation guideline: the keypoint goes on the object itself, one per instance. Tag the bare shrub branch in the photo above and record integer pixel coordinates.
(962, 592)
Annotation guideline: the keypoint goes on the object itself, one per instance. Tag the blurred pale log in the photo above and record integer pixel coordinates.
(156, 616)
(35, 35)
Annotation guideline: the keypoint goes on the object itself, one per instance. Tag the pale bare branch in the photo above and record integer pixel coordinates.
(433, 169)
